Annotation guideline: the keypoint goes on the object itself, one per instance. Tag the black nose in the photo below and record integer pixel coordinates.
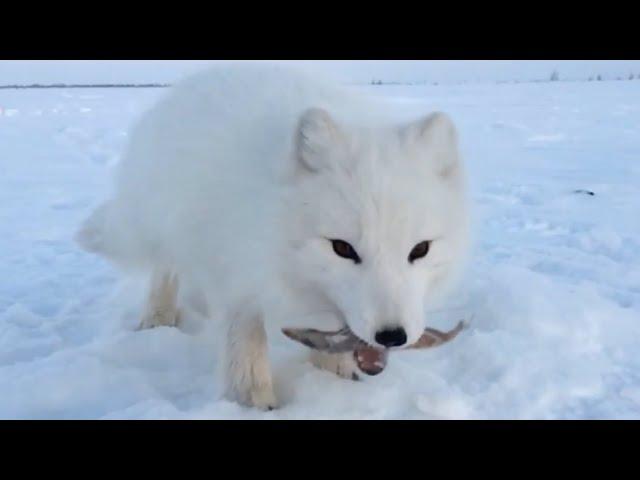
(394, 337)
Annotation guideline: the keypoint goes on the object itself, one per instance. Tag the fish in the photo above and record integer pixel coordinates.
(370, 359)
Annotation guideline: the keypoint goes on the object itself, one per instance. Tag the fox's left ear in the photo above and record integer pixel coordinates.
(317, 139)
(435, 138)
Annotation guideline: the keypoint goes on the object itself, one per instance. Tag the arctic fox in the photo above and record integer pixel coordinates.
(270, 191)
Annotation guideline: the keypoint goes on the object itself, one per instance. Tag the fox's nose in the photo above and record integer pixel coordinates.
(391, 337)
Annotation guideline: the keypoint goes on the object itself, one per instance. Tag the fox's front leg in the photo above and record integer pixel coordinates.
(161, 309)
(247, 368)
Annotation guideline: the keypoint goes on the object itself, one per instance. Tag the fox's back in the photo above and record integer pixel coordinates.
(199, 181)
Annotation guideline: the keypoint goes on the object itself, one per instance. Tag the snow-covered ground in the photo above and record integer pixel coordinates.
(553, 286)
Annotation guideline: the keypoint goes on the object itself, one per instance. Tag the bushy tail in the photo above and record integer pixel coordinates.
(91, 235)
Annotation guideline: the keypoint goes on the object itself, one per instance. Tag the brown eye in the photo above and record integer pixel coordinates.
(344, 250)
(419, 251)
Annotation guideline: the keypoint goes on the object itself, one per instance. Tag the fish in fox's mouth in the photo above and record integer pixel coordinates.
(371, 360)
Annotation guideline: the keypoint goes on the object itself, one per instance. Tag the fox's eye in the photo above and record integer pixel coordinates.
(344, 250)
(419, 251)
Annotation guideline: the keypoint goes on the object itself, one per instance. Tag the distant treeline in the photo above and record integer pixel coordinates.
(554, 77)
(97, 85)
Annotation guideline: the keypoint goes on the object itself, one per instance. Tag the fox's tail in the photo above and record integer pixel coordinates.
(91, 236)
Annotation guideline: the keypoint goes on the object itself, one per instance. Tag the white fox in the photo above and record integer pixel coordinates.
(262, 186)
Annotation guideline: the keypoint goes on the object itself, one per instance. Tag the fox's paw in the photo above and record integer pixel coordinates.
(253, 395)
(160, 318)
(263, 398)
(342, 364)
(249, 382)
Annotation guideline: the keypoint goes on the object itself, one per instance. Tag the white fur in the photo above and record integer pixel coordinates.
(238, 178)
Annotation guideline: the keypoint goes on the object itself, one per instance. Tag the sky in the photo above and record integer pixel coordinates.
(441, 71)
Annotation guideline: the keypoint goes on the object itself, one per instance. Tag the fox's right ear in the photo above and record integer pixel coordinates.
(317, 136)
(437, 138)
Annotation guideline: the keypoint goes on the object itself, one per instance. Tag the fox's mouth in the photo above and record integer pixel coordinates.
(370, 359)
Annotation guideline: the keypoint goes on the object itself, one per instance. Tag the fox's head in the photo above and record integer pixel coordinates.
(377, 222)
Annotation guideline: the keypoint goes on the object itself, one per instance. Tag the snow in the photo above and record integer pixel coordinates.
(552, 291)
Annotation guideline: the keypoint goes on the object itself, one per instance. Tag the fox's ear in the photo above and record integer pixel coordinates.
(317, 136)
(436, 139)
